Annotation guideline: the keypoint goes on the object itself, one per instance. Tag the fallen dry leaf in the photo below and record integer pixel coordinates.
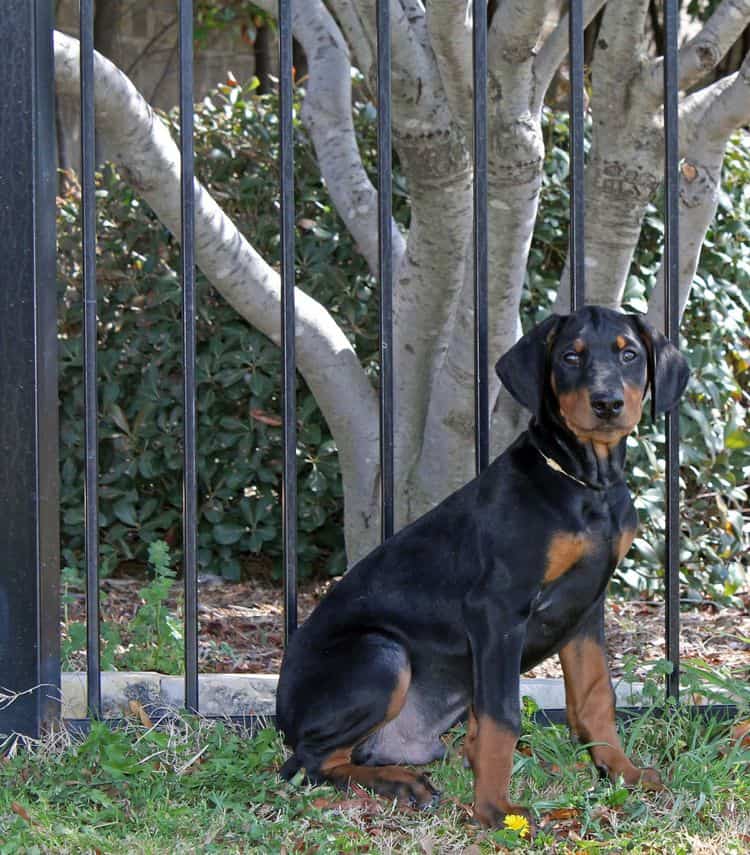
(266, 418)
(563, 813)
(359, 790)
(136, 709)
(20, 810)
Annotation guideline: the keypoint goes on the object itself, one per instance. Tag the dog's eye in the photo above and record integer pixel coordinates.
(572, 358)
(628, 355)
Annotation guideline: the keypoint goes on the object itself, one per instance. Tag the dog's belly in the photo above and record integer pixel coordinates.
(438, 696)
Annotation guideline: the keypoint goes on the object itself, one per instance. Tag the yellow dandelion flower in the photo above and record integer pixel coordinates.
(518, 823)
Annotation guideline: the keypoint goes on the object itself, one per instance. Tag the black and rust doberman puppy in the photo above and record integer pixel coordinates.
(511, 568)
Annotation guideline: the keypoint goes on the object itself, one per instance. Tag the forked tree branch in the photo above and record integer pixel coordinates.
(514, 33)
(409, 60)
(327, 113)
(693, 108)
(700, 178)
(555, 48)
(358, 33)
(707, 48)
(731, 108)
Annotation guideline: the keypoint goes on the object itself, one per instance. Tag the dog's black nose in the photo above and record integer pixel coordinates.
(607, 406)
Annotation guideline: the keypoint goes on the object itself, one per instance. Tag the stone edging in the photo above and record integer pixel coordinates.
(246, 694)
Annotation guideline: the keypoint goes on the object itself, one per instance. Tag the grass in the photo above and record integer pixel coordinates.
(189, 785)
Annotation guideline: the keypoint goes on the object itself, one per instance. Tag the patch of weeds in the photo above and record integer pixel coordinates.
(73, 638)
(155, 633)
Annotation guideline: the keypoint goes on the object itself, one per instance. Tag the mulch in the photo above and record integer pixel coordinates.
(241, 625)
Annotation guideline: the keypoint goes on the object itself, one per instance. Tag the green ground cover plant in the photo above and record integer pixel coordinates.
(156, 629)
(188, 785)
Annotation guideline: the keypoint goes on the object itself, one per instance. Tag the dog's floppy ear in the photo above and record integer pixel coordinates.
(668, 371)
(523, 368)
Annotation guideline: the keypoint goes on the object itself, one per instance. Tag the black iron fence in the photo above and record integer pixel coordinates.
(29, 592)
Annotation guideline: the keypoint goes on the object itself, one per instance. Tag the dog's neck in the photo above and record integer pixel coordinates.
(597, 465)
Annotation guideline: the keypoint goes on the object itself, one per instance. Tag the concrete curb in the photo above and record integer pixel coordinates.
(248, 694)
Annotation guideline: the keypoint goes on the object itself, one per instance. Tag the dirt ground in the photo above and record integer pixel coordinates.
(241, 626)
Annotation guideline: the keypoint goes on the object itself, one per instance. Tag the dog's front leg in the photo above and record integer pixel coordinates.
(590, 702)
(497, 639)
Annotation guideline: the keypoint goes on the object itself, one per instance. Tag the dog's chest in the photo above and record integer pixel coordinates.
(579, 560)
(592, 539)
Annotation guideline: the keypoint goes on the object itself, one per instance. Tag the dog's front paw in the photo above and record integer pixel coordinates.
(650, 779)
(505, 815)
(646, 777)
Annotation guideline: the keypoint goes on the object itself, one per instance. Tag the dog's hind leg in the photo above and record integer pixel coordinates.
(328, 713)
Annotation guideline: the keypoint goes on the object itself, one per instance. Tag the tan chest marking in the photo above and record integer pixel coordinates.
(564, 551)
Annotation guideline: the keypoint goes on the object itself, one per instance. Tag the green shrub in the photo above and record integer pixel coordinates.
(238, 368)
(239, 465)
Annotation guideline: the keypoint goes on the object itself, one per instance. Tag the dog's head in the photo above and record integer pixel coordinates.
(592, 369)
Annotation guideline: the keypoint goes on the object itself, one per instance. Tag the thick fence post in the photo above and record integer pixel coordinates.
(29, 547)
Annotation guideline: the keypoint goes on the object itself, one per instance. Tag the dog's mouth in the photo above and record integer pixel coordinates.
(604, 426)
(603, 431)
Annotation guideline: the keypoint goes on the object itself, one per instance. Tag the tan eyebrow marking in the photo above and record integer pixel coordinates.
(579, 345)
(621, 342)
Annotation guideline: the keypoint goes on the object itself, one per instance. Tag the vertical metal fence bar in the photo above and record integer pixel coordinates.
(187, 243)
(91, 464)
(672, 330)
(288, 376)
(481, 343)
(29, 480)
(577, 251)
(385, 267)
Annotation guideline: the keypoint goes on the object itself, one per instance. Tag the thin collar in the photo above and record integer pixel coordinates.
(553, 464)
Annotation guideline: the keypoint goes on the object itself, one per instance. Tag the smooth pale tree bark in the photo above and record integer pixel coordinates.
(327, 115)
(706, 132)
(432, 135)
